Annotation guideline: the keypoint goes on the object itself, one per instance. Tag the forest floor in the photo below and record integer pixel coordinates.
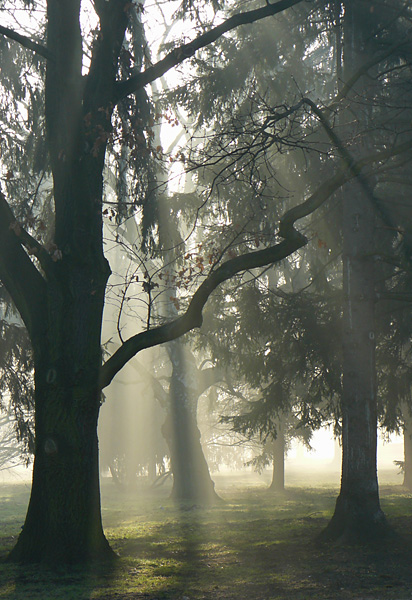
(255, 546)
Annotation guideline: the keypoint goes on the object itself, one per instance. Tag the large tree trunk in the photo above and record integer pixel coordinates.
(358, 516)
(63, 522)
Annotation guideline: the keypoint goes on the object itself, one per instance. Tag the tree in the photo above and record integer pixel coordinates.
(179, 401)
(60, 292)
(370, 110)
(285, 349)
(358, 515)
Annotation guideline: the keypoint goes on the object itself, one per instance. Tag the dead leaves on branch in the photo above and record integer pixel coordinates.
(54, 251)
(32, 246)
(15, 226)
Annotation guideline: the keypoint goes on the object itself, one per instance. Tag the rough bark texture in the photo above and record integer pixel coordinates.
(63, 523)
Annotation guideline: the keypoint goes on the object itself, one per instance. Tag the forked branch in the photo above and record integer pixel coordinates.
(192, 318)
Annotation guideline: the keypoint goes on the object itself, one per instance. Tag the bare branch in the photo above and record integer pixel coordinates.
(26, 42)
(192, 318)
(181, 53)
(348, 85)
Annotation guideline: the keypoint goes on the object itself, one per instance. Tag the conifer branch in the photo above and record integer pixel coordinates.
(293, 240)
(181, 53)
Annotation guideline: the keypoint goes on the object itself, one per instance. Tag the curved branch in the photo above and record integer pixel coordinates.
(26, 42)
(348, 85)
(19, 275)
(181, 53)
(192, 318)
(293, 240)
(349, 170)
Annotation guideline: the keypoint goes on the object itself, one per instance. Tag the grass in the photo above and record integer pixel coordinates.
(255, 546)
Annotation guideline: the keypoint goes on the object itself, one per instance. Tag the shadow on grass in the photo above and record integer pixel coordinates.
(37, 582)
(261, 546)
(255, 546)
(236, 550)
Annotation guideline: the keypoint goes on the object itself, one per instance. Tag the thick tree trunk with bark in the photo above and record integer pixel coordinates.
(358, 515)
(63, 522)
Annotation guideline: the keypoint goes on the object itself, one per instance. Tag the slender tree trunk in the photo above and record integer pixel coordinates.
(278, 473)
(357, 516)
(407, 449)
(191, 477)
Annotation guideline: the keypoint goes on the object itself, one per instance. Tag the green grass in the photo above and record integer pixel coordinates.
(254, 546)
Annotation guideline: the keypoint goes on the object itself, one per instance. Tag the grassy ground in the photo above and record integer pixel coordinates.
(255, 546)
